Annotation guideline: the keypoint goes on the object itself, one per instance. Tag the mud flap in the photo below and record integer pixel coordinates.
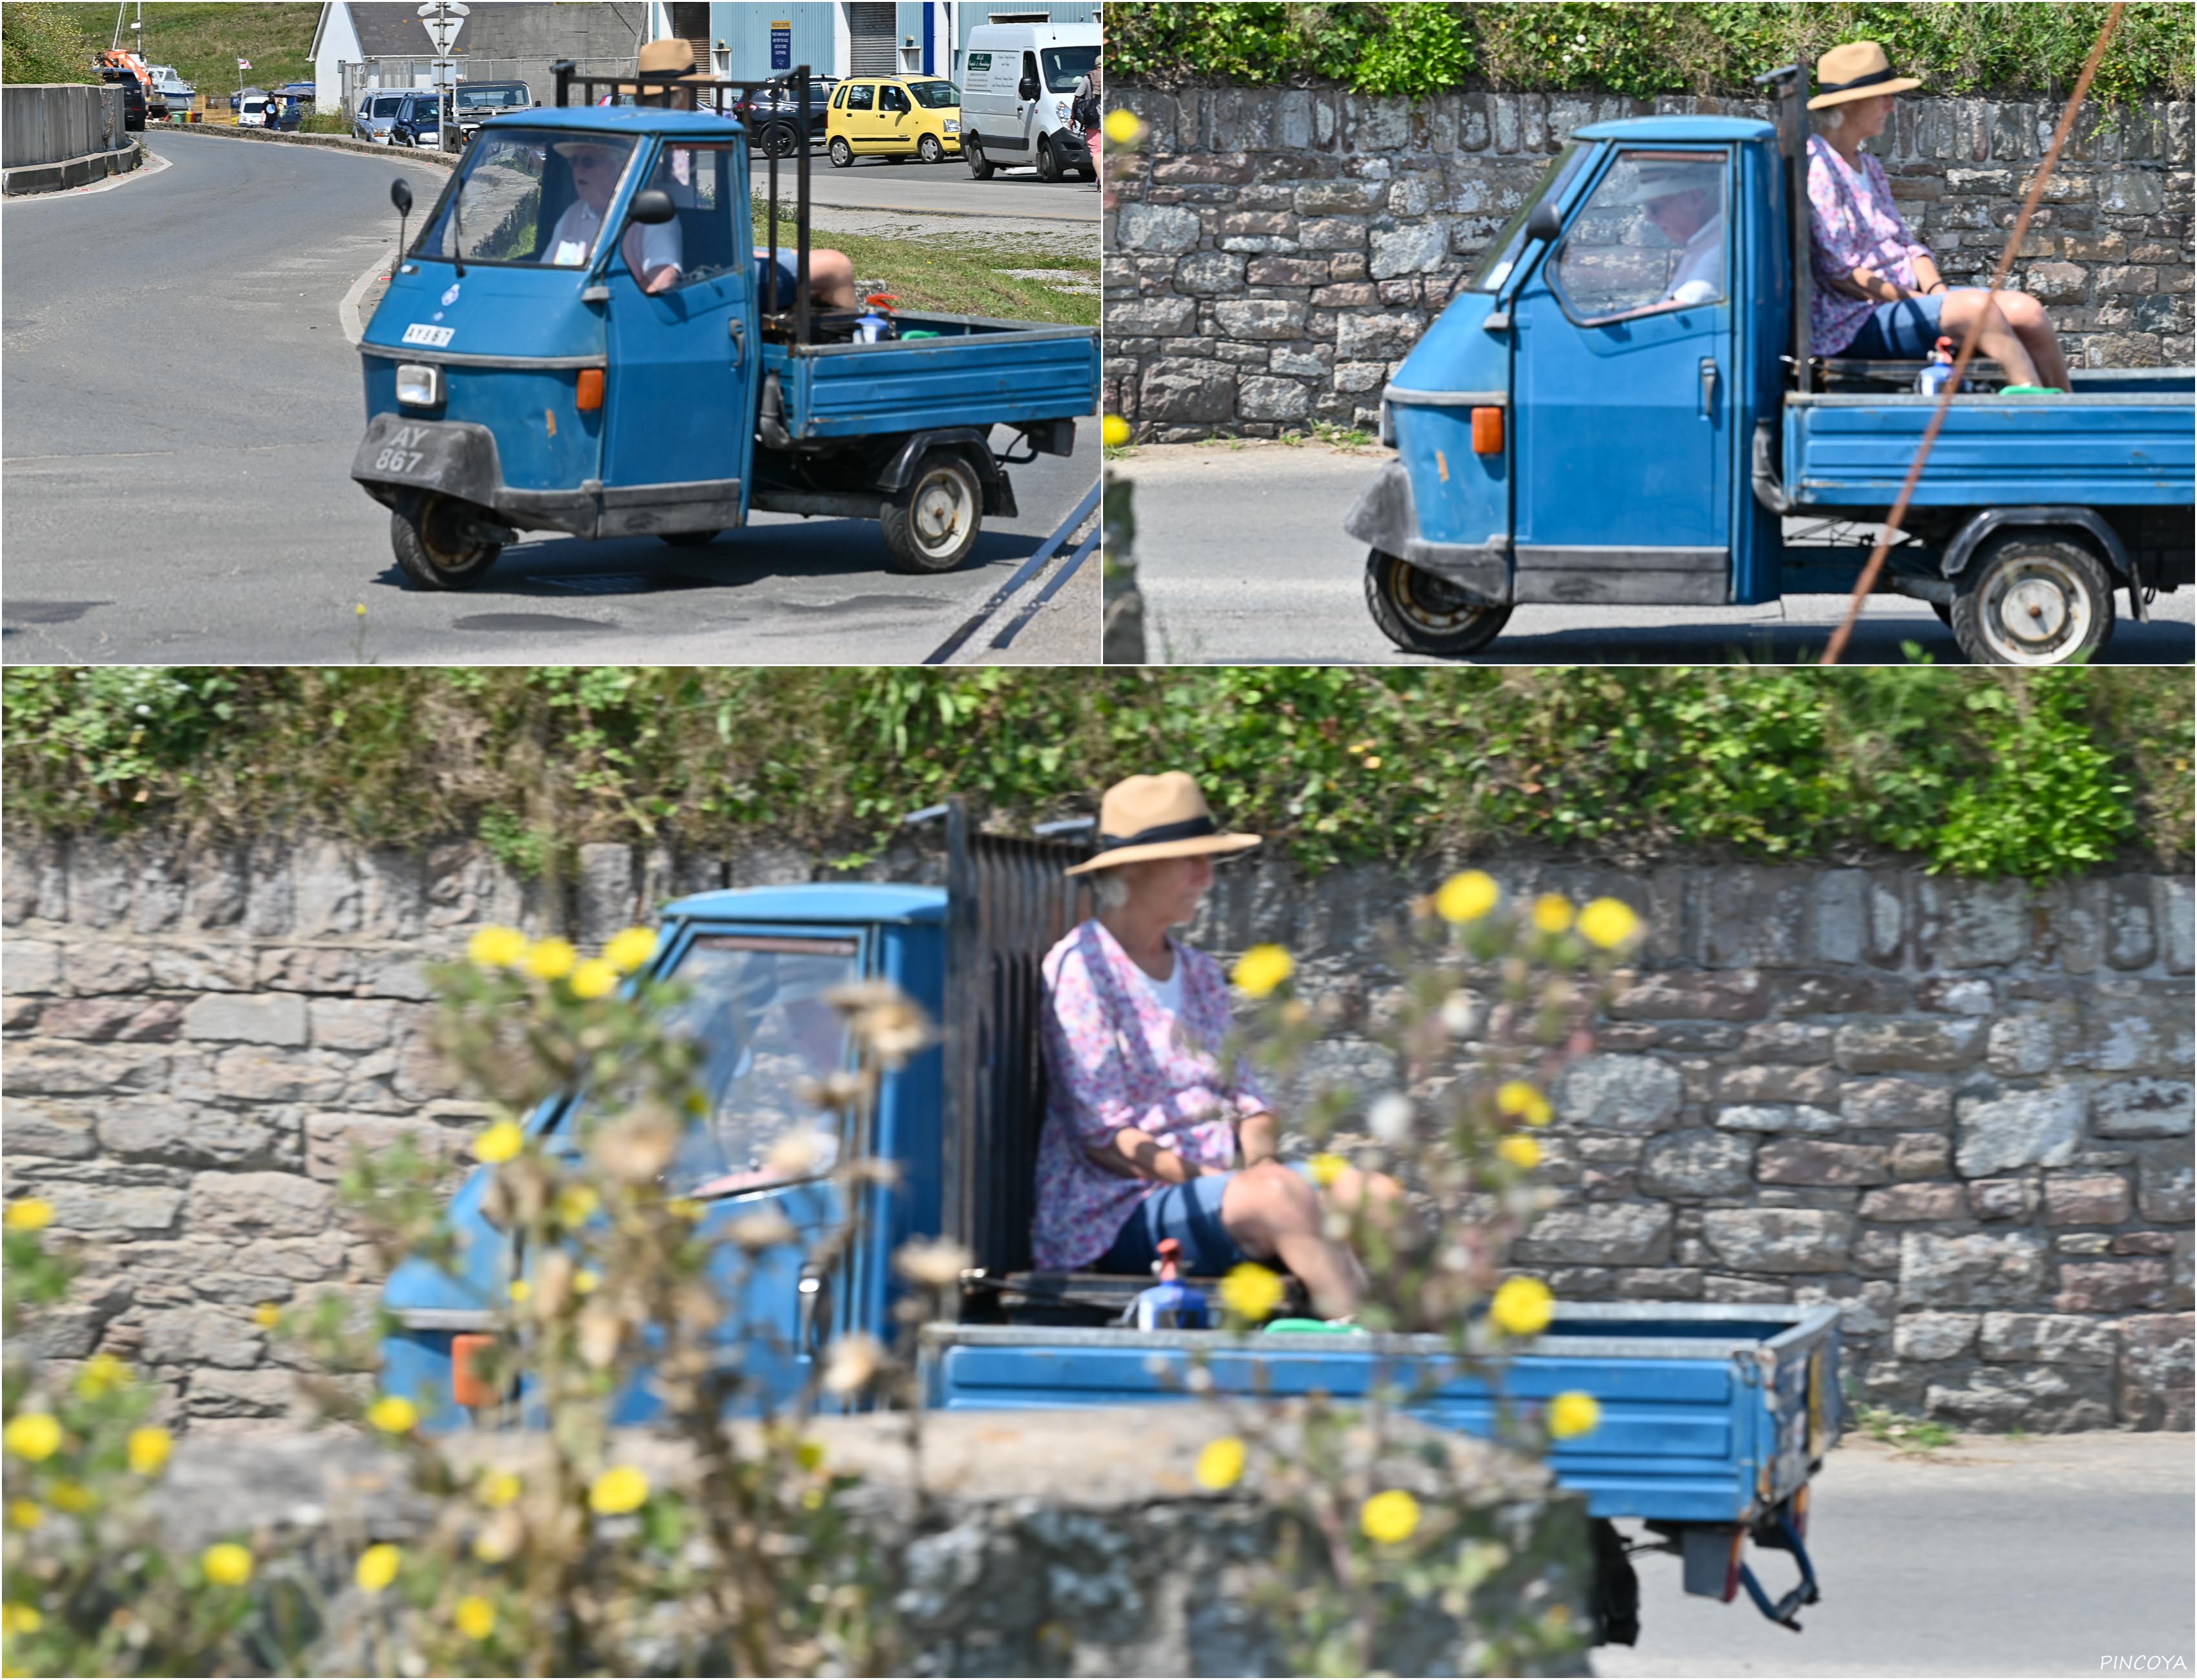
(1616, 1587)
(456, 457)
(1385, 518)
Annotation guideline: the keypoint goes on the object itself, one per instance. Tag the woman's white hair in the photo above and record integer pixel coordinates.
(1831, 118)
(1111, 888)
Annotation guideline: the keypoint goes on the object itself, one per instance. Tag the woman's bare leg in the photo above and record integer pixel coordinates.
(1971, 312)
(831, 278)
(1274, 1214)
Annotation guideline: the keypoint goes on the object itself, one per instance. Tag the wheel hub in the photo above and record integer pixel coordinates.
(938, 513)
(2034, 610)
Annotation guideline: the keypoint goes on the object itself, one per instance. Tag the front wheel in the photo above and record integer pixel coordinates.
(1422, 614)
(428, 531)
(930, 150)
(1048, 160)
(931, 525)
(2031, 598)
(688, 539)
(979, 166)
(843, 154)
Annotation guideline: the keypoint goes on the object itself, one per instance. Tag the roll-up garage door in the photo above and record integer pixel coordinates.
(872, 26)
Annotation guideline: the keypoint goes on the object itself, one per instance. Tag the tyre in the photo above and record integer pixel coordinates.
(687, 539)
(930, 150)
(1422, 614)
(2033, 598)
(780, 140)
(843, 154)
(932, 525)
(426, 531)
(979, 166)
(1048, 160)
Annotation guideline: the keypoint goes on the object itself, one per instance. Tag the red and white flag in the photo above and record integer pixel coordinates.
(244, 64)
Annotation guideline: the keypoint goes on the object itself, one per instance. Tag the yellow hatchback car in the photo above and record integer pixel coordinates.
(892, 117)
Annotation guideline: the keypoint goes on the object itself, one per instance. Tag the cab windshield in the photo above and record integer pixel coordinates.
(935, 96)
(1063, 65)
(529, 196)
(1509, 244)
(758, 1006)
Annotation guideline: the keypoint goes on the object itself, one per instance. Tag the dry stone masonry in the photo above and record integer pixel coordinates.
(1279, 250)
(1962, 1111)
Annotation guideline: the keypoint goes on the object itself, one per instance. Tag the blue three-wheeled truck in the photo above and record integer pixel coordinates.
(1611, 412)
(585, 338)
(1713, 1417)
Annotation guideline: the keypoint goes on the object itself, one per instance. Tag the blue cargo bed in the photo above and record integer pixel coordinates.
(976, 372)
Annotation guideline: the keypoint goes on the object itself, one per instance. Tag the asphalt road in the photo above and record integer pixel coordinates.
(181, 408)
(2050, 1556)
(1243, 560)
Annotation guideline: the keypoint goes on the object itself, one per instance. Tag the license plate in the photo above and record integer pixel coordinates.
(420, 333)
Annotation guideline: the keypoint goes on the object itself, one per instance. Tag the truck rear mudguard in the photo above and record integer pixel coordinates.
(1385, 518)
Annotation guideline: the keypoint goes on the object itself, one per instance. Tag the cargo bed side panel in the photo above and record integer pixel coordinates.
(962, 378)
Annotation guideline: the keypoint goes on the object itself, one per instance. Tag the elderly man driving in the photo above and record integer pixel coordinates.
(1684, 202)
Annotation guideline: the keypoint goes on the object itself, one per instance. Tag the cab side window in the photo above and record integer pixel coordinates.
(1029, 76)
(892, 99)
(702, 182)
(861, 96)
(1651, 235)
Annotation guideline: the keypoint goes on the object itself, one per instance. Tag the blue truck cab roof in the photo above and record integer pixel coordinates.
(817, 901)
(1678, 128)
(634, 120)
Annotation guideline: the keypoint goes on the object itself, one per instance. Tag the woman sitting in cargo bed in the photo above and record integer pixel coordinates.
(1878, 295)
(1144, 1127)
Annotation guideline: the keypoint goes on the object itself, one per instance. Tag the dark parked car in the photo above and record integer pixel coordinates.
(133, 96)
(418, 121)
(774, 121)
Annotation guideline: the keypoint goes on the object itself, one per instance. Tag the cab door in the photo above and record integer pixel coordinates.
(860, 116)
(1623, 382)
(896, 119)
(1030, 103)
(678, 437)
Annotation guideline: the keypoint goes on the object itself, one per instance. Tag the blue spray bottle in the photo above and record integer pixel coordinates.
(1170, 1304)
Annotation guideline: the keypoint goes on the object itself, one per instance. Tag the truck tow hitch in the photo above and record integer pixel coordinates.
(1785, 1611)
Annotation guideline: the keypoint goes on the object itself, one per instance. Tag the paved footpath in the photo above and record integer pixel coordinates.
(1243, 560)
(181, 409)
(2054, 1554)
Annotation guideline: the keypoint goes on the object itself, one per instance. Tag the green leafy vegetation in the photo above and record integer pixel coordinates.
(961, 276)
(1981, 773)
(43, 44)
(202, 39)
(1907, 1434)
(1640, 50)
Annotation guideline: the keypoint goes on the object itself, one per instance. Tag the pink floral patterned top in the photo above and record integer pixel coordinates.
(1854, 225)
(1114, 1058)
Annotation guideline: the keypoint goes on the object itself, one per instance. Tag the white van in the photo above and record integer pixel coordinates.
(1017, 78)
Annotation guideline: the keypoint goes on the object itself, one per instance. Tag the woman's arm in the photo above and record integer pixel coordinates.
(1131, 1154)
(1928, 280)
(1260, 1137)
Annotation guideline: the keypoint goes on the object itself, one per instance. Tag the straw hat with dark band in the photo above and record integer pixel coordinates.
(1162, 816)
(1858, 70)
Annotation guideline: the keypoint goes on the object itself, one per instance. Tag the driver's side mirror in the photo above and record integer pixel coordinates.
(1027, 88)
(652, 206)
(400, 194)
(1545, 223)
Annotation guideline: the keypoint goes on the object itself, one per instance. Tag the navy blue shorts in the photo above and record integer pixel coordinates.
(1904, 330)
(789, 274)
(1190, 1214)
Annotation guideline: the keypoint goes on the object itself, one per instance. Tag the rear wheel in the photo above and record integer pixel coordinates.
(1048, 160)
(930, 150)
(1422, 614)
(687, 539)
(2033, 598)
(843, 154)
(979, 165)
(779, 141)
(932, 525)
(429, 532)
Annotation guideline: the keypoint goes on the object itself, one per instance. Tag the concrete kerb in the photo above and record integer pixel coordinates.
(69, 172)
(153, 165)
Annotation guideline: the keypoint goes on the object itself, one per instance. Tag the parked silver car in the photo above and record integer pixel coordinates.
(377, 116)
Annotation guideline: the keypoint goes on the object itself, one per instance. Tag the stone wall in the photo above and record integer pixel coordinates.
(1278, 251)
(1962, 1111)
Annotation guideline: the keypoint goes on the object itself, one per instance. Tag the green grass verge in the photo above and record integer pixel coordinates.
(963, 276)
(202, 41)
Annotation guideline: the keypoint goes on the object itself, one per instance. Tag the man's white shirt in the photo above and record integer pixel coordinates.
(1700, 275)
(574, 237)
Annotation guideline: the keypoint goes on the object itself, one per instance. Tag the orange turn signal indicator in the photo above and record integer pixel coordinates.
(1487, 432)
(591, 389)
(467, 1386)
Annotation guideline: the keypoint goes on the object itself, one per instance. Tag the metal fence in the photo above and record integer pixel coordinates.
(382, 75)
(50, 123)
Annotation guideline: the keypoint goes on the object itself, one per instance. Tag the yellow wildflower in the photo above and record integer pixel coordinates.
(617, 1491)
(585, 1280)
(475, 1617)
(1221, 1463)
(267, 1315)
(149, 1448)
(1115, 432)
(498, 1488)
(808, 1454)
(1326, 1168)
(496, 947)
(1552, 913)
(34, 1435)
(21, 1618)
(1261, 969)
(499, 1142)
(1573, 1413)
(393, 1415)
(593, 978)
(520, 1289)
(631, 949)
(1524, 1102)
(1123, 127)
(73, 1496)
(30, 1214)
(25, 1514)
(1251, 1291)
(1609, 923)
(551, 958)
(102, 1374)
(1522, 1152)
(377, 1568)
(1467, 896)
(1389, 1518)
(575, 1202)
(1522, 1306)
(227, 1564)
(684, 1207)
